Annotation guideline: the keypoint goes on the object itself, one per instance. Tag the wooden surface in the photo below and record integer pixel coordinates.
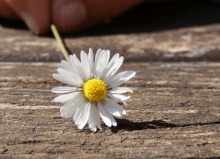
(174, 111)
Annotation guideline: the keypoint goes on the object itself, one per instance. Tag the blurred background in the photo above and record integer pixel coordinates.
(172, 30)
(149, 17)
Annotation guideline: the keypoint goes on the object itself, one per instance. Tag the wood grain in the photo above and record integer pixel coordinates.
(173, 112)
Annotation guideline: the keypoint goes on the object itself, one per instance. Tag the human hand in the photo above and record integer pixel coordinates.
(67, 15)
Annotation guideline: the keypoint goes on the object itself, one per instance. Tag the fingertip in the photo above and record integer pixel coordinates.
(36, 14)
(68, 15)
(31, 22)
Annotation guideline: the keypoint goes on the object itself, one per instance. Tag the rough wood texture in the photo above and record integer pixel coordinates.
(174, 111)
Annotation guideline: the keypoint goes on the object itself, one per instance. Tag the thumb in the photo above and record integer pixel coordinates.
(35, 13)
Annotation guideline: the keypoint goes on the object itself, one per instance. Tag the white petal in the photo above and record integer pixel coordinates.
(91, 123)
(104, 115)
(72, 60)
(96, 116)
(65, 98)
(60, 66)
(114, 123)
(120, 78)
(64, 89)
(111, 109)
(74, 77)
(109, 66)
(114, 68)
(85, 64)
(76, 63)
(113, 60)
(90, 58)
(67, 79)
(120, 90)
(72, 102)
(70, 68)
(63, 72)
(116, 105)
(105, 58)
(70, 107)
(85, 116)
(103, 63)
(124, 102)
(118, 97)
(64, 64)
(98, 58)
(79, 113)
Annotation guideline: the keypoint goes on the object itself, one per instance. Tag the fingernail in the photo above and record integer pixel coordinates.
(30, 22)
(72, 14)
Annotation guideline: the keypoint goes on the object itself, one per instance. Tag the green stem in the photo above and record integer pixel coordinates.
(60, 43)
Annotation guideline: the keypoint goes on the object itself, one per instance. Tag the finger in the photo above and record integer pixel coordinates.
(104, 10)
(72, 15)
(67, 15)
(35, 13)
(6, 11)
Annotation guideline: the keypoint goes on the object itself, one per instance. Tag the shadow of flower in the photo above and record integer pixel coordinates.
(124, 124)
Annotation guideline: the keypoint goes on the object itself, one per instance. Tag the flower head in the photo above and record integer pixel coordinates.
(94, 92)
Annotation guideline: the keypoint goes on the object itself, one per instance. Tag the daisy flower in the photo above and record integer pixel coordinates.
(94, 92)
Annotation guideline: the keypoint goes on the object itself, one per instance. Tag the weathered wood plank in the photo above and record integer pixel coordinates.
(174, 112)
(188, 44)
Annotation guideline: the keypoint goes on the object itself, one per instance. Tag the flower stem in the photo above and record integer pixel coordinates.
(60, 43)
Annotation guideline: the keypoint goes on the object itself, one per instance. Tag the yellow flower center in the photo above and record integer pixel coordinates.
(95, 89)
